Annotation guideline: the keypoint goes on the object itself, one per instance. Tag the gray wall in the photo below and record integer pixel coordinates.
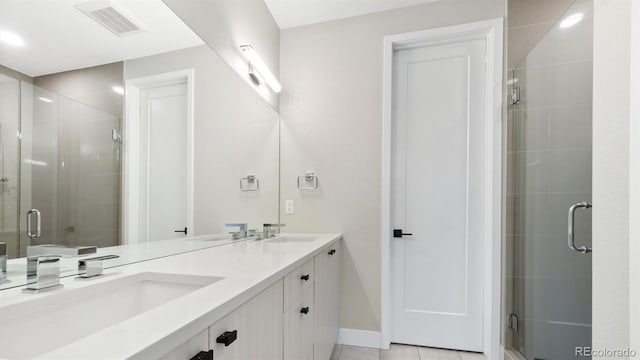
(91, 86)
(236, 132)
(15, 74)
(331, 108)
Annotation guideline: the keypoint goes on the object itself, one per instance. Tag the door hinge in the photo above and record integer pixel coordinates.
(515, 95)
(513, 322)
(116, 135)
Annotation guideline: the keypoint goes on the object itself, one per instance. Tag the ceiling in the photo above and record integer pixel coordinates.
(58, 37)
(292, 13)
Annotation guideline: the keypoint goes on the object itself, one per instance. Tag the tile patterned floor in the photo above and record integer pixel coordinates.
(401, 352)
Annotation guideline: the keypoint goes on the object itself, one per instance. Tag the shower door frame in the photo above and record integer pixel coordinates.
(492, 32)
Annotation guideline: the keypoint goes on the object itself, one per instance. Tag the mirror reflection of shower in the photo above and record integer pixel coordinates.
(9, 169)
(60, 154)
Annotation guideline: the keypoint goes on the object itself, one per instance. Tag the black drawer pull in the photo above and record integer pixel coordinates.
(227, 338)
(305, 277)
(332, 251)
(203, 355)
(304, 310)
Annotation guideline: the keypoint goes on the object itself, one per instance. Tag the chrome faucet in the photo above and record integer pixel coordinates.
(269, 231)
(242, 233)
(93, 266)
(43, 273)
(3, 261)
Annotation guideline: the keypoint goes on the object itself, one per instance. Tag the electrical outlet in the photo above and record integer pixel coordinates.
(288, 207)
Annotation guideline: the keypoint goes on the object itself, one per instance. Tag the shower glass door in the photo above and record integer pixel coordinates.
(70, 171)
(549, 169)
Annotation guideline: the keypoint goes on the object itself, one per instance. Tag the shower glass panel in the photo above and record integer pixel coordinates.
(9, 169)
(549, 169)
(70, 170)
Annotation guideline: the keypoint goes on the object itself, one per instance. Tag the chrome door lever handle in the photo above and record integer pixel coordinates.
(570, 228)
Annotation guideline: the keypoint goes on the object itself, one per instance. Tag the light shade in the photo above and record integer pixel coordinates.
(258, 65)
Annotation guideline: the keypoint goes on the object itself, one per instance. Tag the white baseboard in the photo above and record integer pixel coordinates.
(363, 338)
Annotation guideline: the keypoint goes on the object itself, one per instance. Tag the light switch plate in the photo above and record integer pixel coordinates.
(288, 207)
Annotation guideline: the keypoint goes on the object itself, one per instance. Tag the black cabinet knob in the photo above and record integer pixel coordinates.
(304, 310)
(332, 251)
(182, 231)
(227, 338)
(203, 355)
(305, 277)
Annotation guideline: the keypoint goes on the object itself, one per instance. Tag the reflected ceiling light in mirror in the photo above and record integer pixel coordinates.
(35, 162)
(256, 64)
(45, 99)
(571, 20)
(10, 38)
(118, 89)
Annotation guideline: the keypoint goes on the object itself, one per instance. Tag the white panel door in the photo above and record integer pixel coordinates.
(438, 175)
(164, 162)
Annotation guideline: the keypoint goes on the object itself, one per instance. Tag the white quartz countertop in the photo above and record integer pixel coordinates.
(248, 267)
(128, 254)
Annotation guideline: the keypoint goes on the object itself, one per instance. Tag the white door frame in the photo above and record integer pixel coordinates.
(492, 32)
(131, 150)
(634, 181)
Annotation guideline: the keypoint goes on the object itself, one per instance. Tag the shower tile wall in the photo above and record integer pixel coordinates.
(549, 168)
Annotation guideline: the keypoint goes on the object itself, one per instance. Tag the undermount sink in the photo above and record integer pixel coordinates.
(35, 327)
(288, 238)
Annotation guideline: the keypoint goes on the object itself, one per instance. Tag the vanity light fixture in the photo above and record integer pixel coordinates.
(10, 38)
(571, 20)
(257, 65)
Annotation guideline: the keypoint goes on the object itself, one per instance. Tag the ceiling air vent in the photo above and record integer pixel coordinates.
(111, 16)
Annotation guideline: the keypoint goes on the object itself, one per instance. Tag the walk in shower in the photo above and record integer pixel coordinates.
(548, 299)
(61, 156)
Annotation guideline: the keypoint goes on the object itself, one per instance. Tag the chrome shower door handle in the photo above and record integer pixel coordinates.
(38, 232)
(570, 230)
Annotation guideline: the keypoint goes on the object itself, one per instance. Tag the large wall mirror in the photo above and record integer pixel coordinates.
(120, 126)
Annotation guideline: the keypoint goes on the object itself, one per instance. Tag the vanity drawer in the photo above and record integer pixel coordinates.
(298, 283)
(190, 348)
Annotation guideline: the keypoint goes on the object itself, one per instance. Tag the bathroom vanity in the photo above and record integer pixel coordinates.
(276, 298)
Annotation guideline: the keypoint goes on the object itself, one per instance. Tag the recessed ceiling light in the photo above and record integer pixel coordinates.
(571, 20)
(44, 99)
(118, 89)
(10, 38)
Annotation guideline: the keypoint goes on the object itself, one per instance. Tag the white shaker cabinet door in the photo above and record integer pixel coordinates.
(327, 301)
(252, 331)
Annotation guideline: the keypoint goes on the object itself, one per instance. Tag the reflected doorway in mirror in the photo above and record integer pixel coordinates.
(158, 156)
